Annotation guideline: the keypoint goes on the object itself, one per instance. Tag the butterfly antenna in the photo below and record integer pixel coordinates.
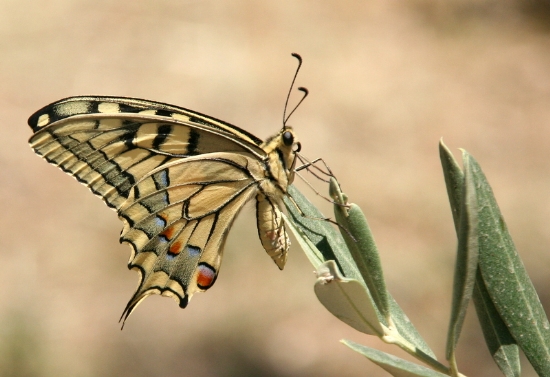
(304, 90)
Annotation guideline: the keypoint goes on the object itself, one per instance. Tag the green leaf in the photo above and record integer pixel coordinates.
(499, 341)
(454, 181)
(347, 299)
(407, 330)
(501, 344)
(362, 246)
(466, 261)
(392, 364)
(507, 281)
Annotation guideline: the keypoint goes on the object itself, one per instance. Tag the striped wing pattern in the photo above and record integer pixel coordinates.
(177, 179)
(109, 143)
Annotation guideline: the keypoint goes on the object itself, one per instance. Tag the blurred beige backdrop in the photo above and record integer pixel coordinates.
(387, 79)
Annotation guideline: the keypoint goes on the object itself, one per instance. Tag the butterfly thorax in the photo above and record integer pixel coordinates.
(281, 158)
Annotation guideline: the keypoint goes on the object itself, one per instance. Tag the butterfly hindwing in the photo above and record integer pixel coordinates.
(177, 227)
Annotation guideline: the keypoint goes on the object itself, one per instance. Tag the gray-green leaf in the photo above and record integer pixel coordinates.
(507, 281)
(394, 365)
(466, 260)
(347, 299)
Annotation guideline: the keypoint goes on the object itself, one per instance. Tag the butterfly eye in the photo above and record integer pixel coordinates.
(298, 148)
(288, 138)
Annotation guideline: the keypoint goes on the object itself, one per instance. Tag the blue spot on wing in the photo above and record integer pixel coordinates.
(161, 179)
(160, 222)
(193, 250)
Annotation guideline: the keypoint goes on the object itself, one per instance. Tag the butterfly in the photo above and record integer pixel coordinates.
(177, 179)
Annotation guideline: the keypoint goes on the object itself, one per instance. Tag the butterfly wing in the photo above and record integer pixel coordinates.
(110, 143)
(145, 160)
(177, 218)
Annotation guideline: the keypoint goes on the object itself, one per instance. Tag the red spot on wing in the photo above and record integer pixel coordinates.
(205, 276)
(168, 232)
(175, 248)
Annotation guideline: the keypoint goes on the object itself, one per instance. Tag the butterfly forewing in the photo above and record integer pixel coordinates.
(109, 143)
(177, 179)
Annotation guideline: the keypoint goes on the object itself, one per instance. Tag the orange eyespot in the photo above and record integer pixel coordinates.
(206, 276)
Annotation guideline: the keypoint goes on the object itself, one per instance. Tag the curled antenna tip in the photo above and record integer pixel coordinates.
(306, 92)
(297, 56)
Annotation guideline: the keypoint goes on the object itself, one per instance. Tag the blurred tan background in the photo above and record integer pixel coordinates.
(387, 79)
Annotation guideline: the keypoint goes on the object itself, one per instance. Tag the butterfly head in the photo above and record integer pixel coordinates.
(292, 147)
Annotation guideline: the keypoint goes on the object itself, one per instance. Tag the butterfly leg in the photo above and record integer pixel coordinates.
(312, 168)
